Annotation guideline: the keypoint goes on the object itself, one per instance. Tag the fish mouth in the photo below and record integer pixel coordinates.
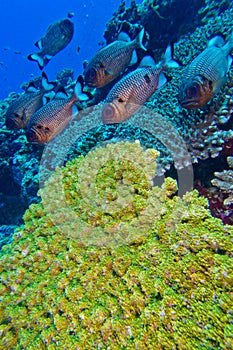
(190, 104)
(34, 137)
(12, 124)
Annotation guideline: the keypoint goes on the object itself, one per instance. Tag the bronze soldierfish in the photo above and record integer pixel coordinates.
(21, 109)
(51, 119)
(132, 91)
(206, 74)
(111, 60)
(56, 38)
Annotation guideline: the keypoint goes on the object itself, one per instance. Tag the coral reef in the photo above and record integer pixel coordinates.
(168, 287)
(224, 181)
(221, 195)
(163, 20)
(19, 162)
(207, 133)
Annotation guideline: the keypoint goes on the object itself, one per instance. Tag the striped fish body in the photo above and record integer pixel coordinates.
(56, 38)
(20, 110)
(50, 120)
(205, 75)
(131, 92)
(110, 61)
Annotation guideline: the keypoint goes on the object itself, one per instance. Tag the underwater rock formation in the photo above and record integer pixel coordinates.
(165, 285)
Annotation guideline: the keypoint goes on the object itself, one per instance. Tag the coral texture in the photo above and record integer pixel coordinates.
(206, 132)
(169, 287)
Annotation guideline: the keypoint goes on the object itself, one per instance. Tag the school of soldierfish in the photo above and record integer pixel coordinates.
(43, 118)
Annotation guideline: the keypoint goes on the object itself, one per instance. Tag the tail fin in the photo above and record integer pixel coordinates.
(41, 60)
(139, 38)
(168, 60)
(47, 85)
(60, 93)
(79, 90)
(229, 44)
(137, 42)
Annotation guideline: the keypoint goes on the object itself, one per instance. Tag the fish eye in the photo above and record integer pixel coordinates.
(192, 90)
(108, 112)
(16, 115)
(120, 100)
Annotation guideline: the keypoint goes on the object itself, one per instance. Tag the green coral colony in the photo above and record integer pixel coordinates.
(133, 267)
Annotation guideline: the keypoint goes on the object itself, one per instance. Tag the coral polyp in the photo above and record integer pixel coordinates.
(169, 287)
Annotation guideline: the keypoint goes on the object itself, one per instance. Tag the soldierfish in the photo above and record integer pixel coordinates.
(132, 91)
(56, 38)
(51, 119)
(206, 74)
(20, 110)
(111, 60)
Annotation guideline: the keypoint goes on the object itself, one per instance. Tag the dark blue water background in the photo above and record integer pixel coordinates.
(22, 22)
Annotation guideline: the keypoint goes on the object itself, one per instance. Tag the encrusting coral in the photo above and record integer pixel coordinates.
(163, 282)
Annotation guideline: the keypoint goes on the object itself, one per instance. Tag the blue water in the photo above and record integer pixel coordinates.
(23, 22)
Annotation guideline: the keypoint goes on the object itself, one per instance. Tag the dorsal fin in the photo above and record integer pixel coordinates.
(217, 41)
(147, 61)
(124, 37)
(79, 92)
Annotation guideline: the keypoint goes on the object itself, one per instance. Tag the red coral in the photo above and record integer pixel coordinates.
(216, 203)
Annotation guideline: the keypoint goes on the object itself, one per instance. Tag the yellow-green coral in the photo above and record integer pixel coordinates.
(171, 289)
(106, 199)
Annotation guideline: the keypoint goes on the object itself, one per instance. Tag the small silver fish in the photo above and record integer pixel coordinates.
(111, 60)
(206, 74)
(51, 119)
(56, 38)
(132, 91)
(20, 110)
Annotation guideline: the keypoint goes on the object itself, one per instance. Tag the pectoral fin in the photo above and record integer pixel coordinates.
(218, 85)
(38, 44)
(108, 72)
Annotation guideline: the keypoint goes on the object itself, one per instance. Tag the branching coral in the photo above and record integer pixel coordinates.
(169, 288)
